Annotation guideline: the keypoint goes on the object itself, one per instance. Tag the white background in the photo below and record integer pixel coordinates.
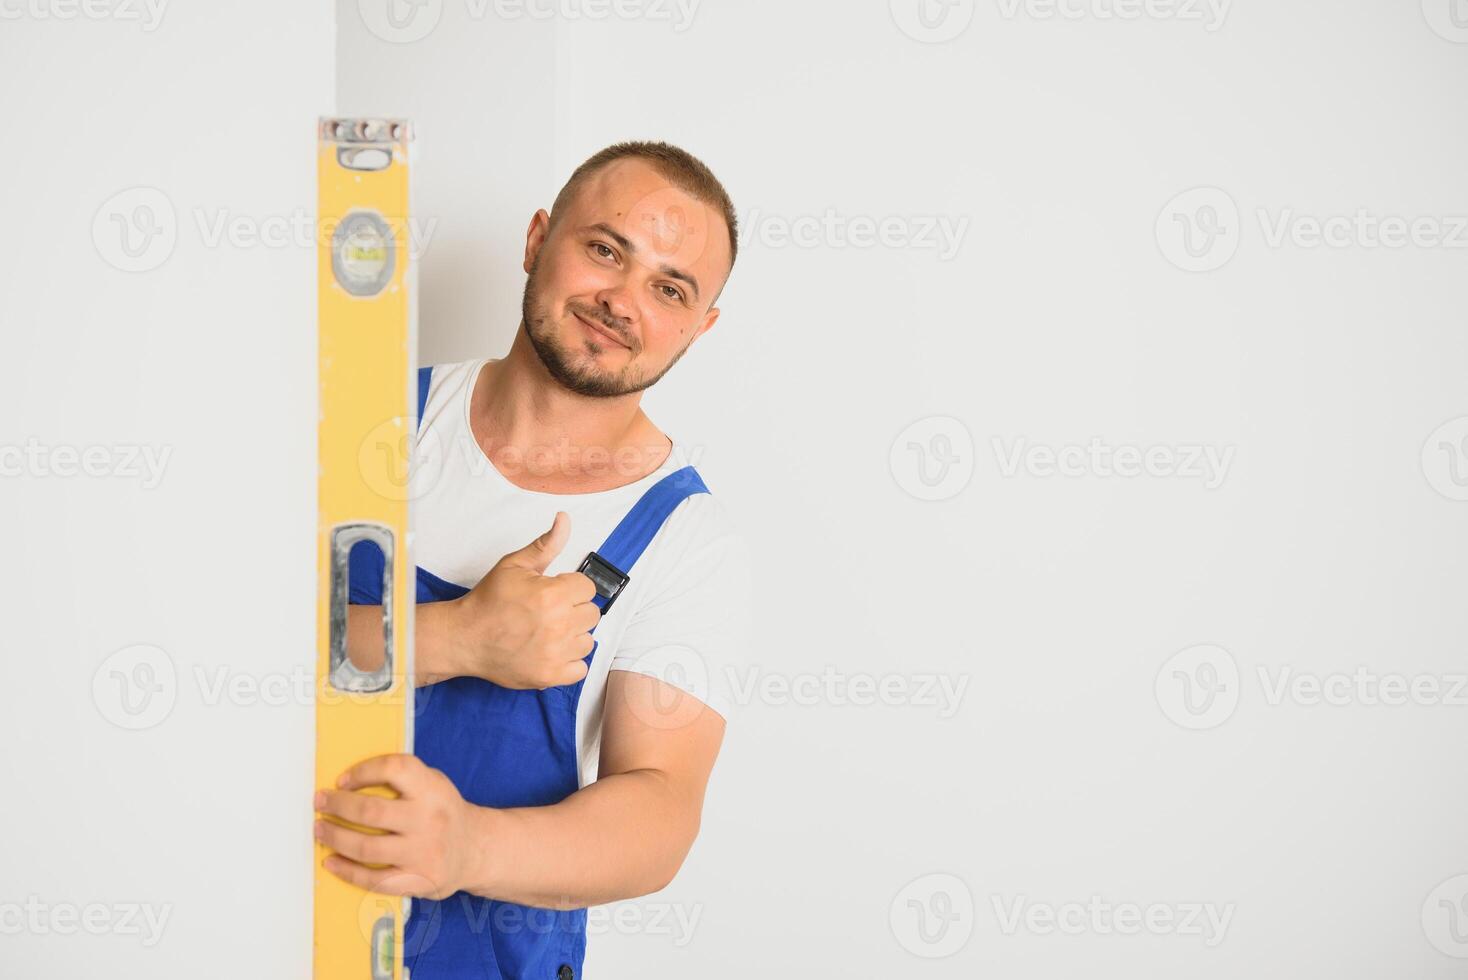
(208, 353)
(848, 383)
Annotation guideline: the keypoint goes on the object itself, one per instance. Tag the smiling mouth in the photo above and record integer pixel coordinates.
(601, 331)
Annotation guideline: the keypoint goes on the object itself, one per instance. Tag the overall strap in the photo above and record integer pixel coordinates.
(630, 538)
(425, 376)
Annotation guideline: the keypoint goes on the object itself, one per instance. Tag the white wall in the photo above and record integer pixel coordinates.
(479, 93)
(1051, 148)
(194, 808)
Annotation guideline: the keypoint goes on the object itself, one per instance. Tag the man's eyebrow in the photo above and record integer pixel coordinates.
(615, 236)
(626, 245)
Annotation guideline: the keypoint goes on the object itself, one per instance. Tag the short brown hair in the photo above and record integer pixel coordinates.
(684, 170)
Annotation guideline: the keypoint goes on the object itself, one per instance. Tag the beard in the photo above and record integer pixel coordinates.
(574, 367)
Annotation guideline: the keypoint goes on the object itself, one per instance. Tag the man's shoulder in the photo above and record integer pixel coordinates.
(440, 384)
(702, 526)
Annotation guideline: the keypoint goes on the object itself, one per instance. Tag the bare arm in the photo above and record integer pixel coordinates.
(623, 836)
(435, 656)
(627, 833)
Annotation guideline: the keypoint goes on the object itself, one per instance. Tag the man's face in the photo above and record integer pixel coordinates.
(624, 282)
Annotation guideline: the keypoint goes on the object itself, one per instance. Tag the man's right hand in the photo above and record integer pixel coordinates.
(521, 628)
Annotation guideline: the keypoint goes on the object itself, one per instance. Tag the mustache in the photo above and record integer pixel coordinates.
(614, 327)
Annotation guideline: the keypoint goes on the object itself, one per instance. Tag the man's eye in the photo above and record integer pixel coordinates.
(672, 292)
(602, 250)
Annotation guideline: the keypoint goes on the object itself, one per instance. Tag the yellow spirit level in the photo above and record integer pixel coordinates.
(365, 306)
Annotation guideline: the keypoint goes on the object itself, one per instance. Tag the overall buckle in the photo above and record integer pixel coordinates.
(608, 578)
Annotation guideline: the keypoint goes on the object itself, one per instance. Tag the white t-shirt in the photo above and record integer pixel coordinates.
(681, 618)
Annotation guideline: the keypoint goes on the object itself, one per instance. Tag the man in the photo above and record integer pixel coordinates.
(555, 768)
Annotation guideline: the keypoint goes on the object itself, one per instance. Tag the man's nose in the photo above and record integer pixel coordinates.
(617, 303)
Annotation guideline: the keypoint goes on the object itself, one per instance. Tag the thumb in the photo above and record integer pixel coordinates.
(543, 550)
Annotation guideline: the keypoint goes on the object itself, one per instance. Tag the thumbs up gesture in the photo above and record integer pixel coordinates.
(522, 628)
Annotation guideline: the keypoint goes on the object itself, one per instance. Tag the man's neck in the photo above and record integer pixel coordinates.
(543, 437)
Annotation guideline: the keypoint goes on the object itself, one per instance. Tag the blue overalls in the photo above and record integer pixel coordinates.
(504, 748)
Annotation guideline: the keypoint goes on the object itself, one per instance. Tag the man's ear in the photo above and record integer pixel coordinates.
(708, 324)
(535, 237)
